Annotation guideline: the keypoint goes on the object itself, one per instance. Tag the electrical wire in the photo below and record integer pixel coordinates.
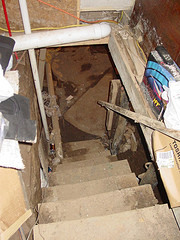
(69, 26)
(44, 28)
(122, 13)
(141, 51)
(70, 14)
(20, 234)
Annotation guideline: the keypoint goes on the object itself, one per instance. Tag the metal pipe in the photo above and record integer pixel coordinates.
(61, 36)
(32, 56)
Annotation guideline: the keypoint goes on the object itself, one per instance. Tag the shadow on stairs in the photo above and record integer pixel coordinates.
(92, 195)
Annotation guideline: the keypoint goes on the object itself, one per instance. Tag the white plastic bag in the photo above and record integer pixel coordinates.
(4, 126)
(172, 112)
(6, 91)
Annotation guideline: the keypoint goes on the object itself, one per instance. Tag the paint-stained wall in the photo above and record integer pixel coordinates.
(161, 24)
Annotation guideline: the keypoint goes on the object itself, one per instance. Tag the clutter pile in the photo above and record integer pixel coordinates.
(161, 85)
(15, 123)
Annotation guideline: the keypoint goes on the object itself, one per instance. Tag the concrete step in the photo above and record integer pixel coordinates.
(85, 163)
(71, 149)
(83, 157)
(89, 173)
(84, 189)
(97, 205)
(154, 223)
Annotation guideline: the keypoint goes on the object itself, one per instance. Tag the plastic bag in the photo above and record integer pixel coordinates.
(6, 90)
(172, 112)
(4, 126)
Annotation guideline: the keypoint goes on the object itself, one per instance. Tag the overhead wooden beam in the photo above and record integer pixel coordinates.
(101, 5)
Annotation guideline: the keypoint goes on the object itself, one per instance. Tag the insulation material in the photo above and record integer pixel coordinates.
(6, 89)
(167, 153)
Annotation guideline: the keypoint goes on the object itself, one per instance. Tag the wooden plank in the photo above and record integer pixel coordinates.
(134, 92)
(139, 64)
(121, 125)
(139, 118)
(13, 209)
(12, 204)
(15, 226)
(55, 118)
(101, 5)
(114, 88)
(120, 58)
(41, 67)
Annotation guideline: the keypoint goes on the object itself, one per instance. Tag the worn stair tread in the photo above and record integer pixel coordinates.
(156, 223)
(97, 205)
(81, 144)
(84, 189)
(71, 149)
(85, 163)
(86, 156)
(89, 173)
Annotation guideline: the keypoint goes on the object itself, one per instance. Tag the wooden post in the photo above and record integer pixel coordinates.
(41, 67)
(55, 118)
(114, 88)
(121, 125)
(115, 125)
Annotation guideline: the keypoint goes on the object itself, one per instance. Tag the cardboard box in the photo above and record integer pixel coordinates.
(167, 154)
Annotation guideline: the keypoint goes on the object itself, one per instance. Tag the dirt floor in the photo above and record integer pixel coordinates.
(77, 70)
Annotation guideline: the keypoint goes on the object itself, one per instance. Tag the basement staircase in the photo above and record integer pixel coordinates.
(93, 196)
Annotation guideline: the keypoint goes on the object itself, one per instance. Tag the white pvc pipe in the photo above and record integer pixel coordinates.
(25, 16)
(27, 28)
(62, 36)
